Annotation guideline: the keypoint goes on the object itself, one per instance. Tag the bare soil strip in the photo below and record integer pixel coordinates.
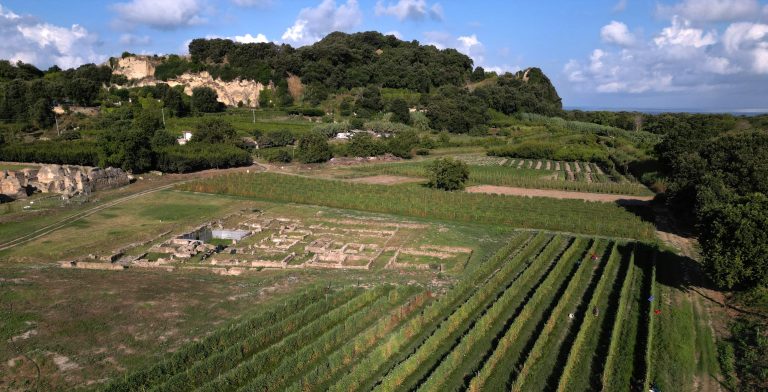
(600, 197)
(386, 180)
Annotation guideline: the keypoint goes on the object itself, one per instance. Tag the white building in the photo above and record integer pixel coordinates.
(185, 137)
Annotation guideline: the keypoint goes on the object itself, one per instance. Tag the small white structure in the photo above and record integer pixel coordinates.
(185, 137)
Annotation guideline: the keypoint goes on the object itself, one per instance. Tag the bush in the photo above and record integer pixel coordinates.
(313, 148)
(205, 100)
(192, 157)
(448, 174)
(276, 155)
(309, 112)
(330, 130)
(77, 152)
(387, 127)
(402, 144)
(213, 131)
(362, 144)
(279, 138)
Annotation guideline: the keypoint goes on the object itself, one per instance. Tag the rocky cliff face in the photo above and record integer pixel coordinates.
(141, 70)
(135, 67)
(65, 180)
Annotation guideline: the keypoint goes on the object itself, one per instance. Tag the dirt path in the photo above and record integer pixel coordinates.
(708, 304)
(386, 180)
(600, 197)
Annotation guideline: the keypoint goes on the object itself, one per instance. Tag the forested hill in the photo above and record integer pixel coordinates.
(343, 61)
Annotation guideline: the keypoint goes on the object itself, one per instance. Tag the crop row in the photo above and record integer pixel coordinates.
(307, 356)
(281, 319)
(618, 365)
(317, 378)
(452, 368)
(434, 347)
(536, 368)
(526, 178)
(489, 377)
(242, 372)
(541, 213)
(577, 365)
(363, 374)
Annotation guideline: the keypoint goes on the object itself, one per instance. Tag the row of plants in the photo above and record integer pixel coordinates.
(332, 367)
(380, 360)
(235, 374)
(407, 373)
(456, 365)
(298, 362)
(576, 373)
(282, 317)
(494, 372)
(506, 176)
(539, 362)
(536, 213)
(211, 366)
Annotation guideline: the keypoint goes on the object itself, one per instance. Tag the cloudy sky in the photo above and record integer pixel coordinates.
(665, 54)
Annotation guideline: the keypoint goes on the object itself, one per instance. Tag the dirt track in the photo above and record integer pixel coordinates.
(600, 197)
(386, 180)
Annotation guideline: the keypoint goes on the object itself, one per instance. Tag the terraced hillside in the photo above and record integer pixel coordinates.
(548, 311)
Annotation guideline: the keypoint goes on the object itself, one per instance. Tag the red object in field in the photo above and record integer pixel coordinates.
(594, 256)
(657, 311)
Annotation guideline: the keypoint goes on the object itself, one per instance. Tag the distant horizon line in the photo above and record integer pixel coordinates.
(737, 111)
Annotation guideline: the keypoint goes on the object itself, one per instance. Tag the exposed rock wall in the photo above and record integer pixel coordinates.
(66, 180)
(141, 70)
(135, 67)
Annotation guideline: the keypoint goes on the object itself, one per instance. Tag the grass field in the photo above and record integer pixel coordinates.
(413, 200)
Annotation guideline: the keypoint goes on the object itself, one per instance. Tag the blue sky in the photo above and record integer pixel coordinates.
(666, 54)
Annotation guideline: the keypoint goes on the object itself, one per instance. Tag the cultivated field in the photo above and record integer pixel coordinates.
(538, 174)
(413, 200)
(545, 312)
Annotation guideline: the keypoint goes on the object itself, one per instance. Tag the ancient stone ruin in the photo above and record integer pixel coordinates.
(62, 179)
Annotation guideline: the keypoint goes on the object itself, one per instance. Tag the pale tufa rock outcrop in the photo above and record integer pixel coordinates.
(135, 67)
(141, 70)
(65, 180)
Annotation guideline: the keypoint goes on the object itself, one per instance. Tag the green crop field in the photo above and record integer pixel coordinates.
(413, 200)
(505, 172)
(545, 312)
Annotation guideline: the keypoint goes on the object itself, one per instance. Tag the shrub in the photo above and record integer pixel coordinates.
(193, 157)
(313, 148)
(448, 174)
(362, 144)
(276, 155)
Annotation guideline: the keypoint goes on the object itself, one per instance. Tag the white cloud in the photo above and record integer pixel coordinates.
(617, 33)
(163, 15)
(313, 23)
(135, 40)
(679, 58)
(249, 39)
(711, 10)
(748, 41)
(410, 9)
(27, 39)
(682, 34)
(472, 47)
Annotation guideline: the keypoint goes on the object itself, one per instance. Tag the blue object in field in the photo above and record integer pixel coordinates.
(650, 299)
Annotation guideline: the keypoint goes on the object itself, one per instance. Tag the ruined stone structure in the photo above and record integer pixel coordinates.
(141, 71)
(65, 180)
